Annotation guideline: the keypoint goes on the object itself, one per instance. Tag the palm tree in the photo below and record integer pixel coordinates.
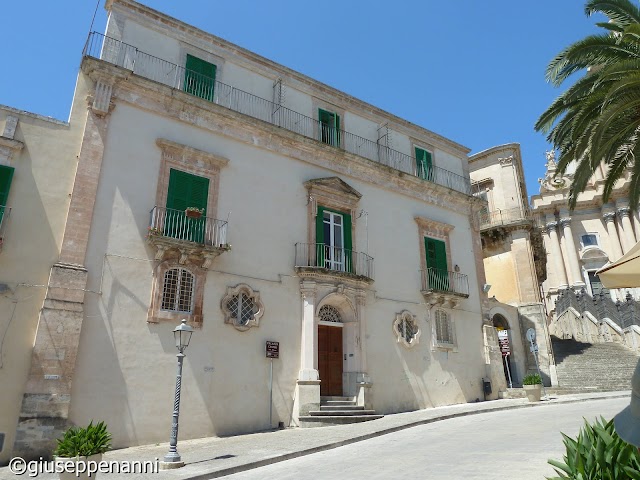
(598, 118)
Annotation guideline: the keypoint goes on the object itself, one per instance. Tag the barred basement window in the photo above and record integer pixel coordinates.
(329, 313)
(444, 331)
(242, 307)
(406, 329)
(177, 293)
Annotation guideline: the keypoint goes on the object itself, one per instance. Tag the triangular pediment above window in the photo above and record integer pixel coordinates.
(334, 185)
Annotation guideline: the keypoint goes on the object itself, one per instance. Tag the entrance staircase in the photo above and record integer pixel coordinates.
(600, 367)
(337, 411)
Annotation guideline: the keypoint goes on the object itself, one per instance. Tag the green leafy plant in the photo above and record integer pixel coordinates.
(84, 442)
(532, 379)
(597, 453)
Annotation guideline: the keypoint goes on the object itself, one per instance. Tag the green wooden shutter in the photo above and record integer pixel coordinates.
(319, 247)
(200, 77)
(337, 131)
(348, 254)
(329, 127)
(424, 163)
(436, 256)
(6, 175)
(186, 190)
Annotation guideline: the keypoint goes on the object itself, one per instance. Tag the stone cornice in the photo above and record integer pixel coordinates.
(169, 26)
(430, 224)
(166, 101)
(210, 160)
(11, 144)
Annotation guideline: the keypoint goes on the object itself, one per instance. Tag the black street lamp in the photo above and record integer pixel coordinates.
(182, 334)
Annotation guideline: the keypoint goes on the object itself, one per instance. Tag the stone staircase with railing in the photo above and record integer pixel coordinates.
(338, 411)
(592, 366)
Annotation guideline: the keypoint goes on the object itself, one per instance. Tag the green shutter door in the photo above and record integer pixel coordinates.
(424, 164)
(200, 77)
(6, 174)
(320, 237)
(436, 253)
(348, 254)
(186, 190)
(329, 127)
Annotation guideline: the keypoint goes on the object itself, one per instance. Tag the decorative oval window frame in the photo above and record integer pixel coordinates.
(232, 317)
(406, 315)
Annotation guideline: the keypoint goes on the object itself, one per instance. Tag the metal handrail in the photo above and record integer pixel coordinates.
(501, 217)
(4, 219)
(170, 223)
(436, 280)
(175, 76)
(333, 258)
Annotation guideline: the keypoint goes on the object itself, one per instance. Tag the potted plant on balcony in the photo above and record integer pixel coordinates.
(194, 212)
(79, 446)
(532, 385)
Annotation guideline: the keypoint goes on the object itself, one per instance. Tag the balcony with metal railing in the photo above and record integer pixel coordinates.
(441, 286)
(175, 76)
(4, 220)
(505, 217)
(187, 235)
(318, 258)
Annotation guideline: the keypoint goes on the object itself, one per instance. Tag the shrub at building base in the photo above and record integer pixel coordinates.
(598, 453)
(79, 446)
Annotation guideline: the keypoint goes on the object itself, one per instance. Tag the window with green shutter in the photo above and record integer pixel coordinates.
(424, 164)
(6, 175)
(436, 255)
(329, 127)
(333, 240)
(199, 78)
(186, 190)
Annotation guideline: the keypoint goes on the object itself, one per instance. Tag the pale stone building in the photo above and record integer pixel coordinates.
(514, 259)
(581, 241)
(215, 185)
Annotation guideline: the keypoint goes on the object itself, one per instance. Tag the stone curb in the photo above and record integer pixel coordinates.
(329, 446)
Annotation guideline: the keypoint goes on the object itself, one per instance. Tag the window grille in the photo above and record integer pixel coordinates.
(407, 328)
(177, 293)
(329, 313)
(242, 308)
(444, 333)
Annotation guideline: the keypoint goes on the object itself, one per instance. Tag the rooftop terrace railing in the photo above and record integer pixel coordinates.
(175, 76)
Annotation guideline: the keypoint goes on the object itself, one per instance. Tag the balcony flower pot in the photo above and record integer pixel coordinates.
(193, 212)
(78, 448)
(532, 385)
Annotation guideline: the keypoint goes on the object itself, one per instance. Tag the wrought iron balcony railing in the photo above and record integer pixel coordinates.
(175, 76)
(175, 224)
(497, 218)
(336, 259)
(441, 281)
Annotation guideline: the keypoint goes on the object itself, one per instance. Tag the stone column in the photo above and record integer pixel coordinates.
(572, 253)
(636, 224)
(556, 254)
(364, 381)
(610, 222)
(308, 385)
(47, 397)
(627, 235)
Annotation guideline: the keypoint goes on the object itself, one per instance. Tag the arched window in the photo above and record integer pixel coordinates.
(329, 313)
(177, 293)
(444, 328)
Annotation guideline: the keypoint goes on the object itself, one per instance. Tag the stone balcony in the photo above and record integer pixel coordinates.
(318, 259)
(440, 287)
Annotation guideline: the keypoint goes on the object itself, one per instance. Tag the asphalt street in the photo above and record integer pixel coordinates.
(514, 444)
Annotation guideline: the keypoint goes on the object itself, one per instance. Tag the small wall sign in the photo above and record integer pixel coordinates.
(273, 349)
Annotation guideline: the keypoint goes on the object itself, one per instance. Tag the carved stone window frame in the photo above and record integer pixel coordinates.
(437, 230)
(436, 343)
(231, 317)
(193, 161)
(155, 314)
(332, 193)
(407, 316)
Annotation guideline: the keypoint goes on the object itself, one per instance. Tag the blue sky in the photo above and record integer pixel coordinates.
(470, 70)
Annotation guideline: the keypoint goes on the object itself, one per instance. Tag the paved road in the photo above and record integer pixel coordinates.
(514, 444)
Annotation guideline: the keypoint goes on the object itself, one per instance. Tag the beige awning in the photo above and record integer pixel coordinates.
(624, 272)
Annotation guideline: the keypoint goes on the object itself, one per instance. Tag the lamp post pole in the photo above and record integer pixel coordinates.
(182, 334)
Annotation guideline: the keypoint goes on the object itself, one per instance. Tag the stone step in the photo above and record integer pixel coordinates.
(338, 403)
(334, 408)
(341, 413)
(329, 421)
(336, 398)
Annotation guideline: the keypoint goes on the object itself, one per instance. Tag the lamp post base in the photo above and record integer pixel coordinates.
(164, 465)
